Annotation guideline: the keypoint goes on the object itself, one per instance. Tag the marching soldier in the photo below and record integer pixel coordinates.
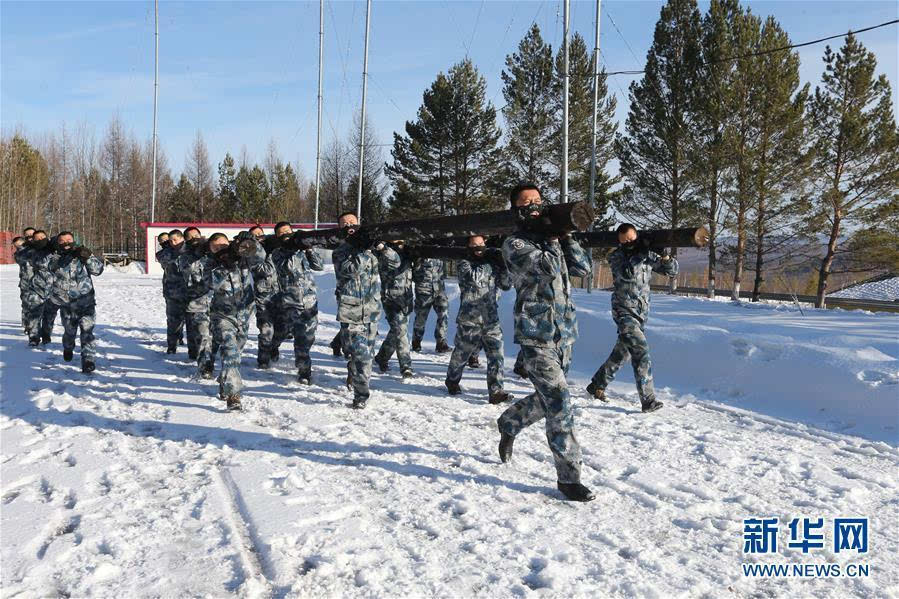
(72, 290)
(481, 278)
(545, 328)
(359, 305)
(632, 265)
(429, 275)
(294, 262)
(192, 265)
(228, 277)
(174, 291)
(34, 284)
(265, 280)
(396, 296)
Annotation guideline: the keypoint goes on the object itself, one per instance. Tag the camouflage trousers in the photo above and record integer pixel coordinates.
(79, 315)
(175, 315)
(470, 338)
(200, 341)
(302, 322)
(423, 304)
(48, 319)
(32, 314)
(359, 341)
(268, 322)
(337, 341)
(546, 369)
(397, 339)
(230, 334)
(631, 344)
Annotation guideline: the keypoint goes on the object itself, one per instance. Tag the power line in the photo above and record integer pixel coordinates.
(763, 52)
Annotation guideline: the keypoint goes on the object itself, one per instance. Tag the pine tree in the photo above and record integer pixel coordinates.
(228, 208)
(251, 186)
(199, 171)
(180, 201)
(654, 153)
(528, 90)
(856, 149)
(781, 160)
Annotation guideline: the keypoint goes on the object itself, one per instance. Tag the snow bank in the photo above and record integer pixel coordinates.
(886, 290)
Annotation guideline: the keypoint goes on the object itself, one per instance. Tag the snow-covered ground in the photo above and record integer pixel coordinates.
(134, 482)
(886, 290)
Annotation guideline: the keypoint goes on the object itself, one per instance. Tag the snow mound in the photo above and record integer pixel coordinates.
(886, 290)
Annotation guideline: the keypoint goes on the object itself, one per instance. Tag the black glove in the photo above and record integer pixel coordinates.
(477, 253)
(244, 247)
(227, 256)
(165, 244)
(357, 237)
(495, 256)
(377, 246)
(533, 217)
(244, 235)
(300, 241)
(83, 253)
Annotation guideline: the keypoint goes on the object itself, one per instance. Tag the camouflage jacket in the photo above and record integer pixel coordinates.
(192, 269)
(294, 268)
(231, 288)
(173, 286)
(265, 278)
(71, 278)
(631, 274)
(429, 275)
(359, 282)
(396, 282)
(539, 269)
(480, 282)
(33, 276)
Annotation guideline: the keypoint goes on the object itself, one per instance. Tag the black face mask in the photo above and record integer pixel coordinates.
(67, 247)
(630, 246)
(286, 237)
(39, 243)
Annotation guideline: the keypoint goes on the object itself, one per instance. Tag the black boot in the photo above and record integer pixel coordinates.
(233, 403)
(276, 354)
(383, 366)
(473, 361)
(652, 405)
(34, 341)
(499, 397)
(596, 392)
(407, 373)
(505, 447)
(206, 370)
(191, 353)
(576, 492)
(443, 347)
(336, 350)
(453, 388)
(262, 363)
(303, 377)
(88, 366)
(172, 349)
(67, 355)
(358, 404)
(520, 371)
(45, 339)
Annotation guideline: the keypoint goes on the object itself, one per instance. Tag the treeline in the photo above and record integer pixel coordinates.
(719, 131)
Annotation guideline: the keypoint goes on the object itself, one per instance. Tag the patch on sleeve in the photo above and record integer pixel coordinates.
(517, 244)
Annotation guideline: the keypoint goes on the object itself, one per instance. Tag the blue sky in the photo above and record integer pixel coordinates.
(245, 73)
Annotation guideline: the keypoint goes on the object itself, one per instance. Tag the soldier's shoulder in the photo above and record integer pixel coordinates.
(517, 242)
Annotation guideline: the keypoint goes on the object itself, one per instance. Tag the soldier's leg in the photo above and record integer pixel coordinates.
(388, 346)
(202, 336)
(359, 364)
(48, 319)
(441, 308)
(604, 376)
(492, 342)
(551, 400)
(32, 311)
(69, 327)
(403, 355)
(423, 303)
(634, 339)
(303, 328)
(265, 324)
(173, 315)
(519, 368)
(86, 315)
(228, 334)
(468, 339)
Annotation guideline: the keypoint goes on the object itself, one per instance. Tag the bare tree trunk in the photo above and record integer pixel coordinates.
(827, 261)
(759, 250)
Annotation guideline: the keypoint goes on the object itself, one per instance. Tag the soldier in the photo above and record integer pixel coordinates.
(192, 265)
(228, 277)
(174, 291)
(72, 290)
(266, 283)
(396, 296)
(359, 306)
(545, 328)
(429, 275)
(34, 284)
(481, 278)
(28, 233)
(294, 262)
(632, 265)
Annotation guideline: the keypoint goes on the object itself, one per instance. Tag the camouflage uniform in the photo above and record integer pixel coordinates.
(34, 288)
(175, 293)
(546, 328)
(477, 324)
(265, 280)
(429, 275)
(192, 265)
(359, 308)
(298, 302)
(631, 275)
(232, 301)
(72, 290)
(396, 295)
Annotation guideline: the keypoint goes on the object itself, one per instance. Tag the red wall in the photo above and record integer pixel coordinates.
(6, 249)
